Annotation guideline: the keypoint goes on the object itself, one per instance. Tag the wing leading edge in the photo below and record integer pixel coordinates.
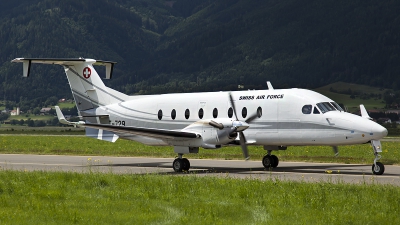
(143, 131)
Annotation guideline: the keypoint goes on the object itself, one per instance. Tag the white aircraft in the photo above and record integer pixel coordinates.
(273, 118)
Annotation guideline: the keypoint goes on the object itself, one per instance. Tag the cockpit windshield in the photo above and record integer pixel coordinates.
(337, 106)
(328, 106)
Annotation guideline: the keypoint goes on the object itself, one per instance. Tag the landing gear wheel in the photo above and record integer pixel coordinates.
(177, 165)
(378, 169)
(186, 164)
(275, 161)
(268, 161)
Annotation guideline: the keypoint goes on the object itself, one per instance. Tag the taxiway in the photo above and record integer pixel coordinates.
(297, 171)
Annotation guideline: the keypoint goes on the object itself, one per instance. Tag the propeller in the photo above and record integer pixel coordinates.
(335, 150)
(240, 127)
(216, 125)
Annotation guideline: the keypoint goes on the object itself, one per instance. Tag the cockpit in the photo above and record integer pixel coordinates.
(321, 107)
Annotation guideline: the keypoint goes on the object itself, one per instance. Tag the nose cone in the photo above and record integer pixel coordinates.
(379, 131)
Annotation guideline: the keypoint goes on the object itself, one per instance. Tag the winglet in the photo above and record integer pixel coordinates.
(62, 119)
(270, 86)
(364, 112)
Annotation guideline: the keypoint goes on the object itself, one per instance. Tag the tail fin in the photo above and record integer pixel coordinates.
(87, 88)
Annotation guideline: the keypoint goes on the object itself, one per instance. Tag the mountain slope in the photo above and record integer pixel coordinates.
(202, 45)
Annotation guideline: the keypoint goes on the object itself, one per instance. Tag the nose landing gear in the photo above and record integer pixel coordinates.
(377, 168)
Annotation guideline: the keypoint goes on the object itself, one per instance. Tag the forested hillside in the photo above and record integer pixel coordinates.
(201, 45)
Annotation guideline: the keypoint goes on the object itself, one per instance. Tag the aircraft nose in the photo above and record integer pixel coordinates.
(380, 131)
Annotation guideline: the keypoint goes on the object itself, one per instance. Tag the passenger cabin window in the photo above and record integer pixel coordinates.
(230, 112)
(244, 112)
(173, 114)
(201, 113)
(259, 112)
(159, 114)
(187, 113)
(215, 113)
(306, 109)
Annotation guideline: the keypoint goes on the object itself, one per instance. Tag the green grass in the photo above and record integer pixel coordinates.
(48, 130)
(63, 105)
(353, 104)
(33, 117)
(81, 145)
(95, 198)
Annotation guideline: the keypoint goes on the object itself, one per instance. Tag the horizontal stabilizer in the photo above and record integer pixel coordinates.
(101, 134)
(64, 62)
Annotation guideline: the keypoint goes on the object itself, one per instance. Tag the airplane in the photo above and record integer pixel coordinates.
(272, 118)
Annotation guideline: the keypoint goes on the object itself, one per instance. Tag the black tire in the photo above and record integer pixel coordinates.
(267, 161)
(275, 161)
(186, 164)
(378, 169)
(177, 165)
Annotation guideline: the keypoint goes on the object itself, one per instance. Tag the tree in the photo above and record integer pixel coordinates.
(39, 123)
(30, 122)
(4, 116)
(36, 111)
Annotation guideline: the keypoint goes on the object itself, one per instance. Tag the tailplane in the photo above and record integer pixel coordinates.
(86, 85)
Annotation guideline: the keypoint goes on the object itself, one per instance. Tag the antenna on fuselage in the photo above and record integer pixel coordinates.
(270, 86)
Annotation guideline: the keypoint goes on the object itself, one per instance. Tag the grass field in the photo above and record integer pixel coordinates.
(74, 198)
(81, 145)
(94, 198)
(21, 130)
(63, 105)
(33, 117)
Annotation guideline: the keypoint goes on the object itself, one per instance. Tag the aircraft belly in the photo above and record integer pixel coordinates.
(267, 138)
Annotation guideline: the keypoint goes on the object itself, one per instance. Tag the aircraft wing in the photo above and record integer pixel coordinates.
(143, 131)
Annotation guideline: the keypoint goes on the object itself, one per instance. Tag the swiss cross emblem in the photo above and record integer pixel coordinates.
(87, 72)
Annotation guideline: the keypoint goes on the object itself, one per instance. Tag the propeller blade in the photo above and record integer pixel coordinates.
(244, 146)
(233, 105)
(251, 118)
(335, 150)
(216, 125)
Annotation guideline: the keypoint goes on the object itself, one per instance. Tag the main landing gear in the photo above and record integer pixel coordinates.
(270, 161)
(377, 168)
(181, 164)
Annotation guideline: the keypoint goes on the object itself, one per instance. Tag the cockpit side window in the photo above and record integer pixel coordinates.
(316, 111)
(306, 109)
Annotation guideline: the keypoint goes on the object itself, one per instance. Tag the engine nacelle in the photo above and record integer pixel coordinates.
(214, 136)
